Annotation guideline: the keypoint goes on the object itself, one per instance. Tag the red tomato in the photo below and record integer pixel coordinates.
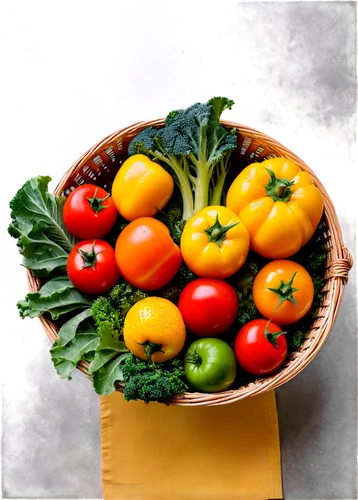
(89, 212)
(208, 306)
(146, 255)
(254, 351)
(92, 268)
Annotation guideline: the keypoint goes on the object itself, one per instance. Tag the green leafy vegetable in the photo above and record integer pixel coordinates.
(69, 329)
(242, 283)
(105, 379)
(153, 382)
(77, 339)
(109, 312)
(38, 225)
(57, 297)
(196, 148)
(172, 218)
(313, 257)
(173, 289)
(107, 349)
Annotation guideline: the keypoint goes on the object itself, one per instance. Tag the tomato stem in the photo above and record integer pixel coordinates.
(194, 358)
(95, 202)
(150, 348)
(285, 292)
(278, 189)
(89, 258)
(272, 336)
(217, 232)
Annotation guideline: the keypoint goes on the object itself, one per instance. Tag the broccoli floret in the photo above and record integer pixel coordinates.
(195, 146)
(152, 382)
(109, 312)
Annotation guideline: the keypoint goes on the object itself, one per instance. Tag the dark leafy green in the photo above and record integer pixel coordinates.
(106, 377)
(57, 297)
(109, 312)
(174, 288)
(313, 257)
(37, 224)
(242, 283)
(77, 339)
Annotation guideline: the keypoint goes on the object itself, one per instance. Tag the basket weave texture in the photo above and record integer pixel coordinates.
(99, 166)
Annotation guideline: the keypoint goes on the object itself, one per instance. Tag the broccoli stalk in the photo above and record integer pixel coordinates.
(179, 166)
(196, 148)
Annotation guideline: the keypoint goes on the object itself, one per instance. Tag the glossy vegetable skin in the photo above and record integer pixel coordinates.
(89, 212)
(209, 306)
(154, 330)
(279, 205)
(141, 187)
(214, 243)
(254, 351)
(210, 365)
(146, 255)
(92, 267)
(283, 291)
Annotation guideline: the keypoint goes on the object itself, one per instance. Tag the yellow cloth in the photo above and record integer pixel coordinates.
(158, 452)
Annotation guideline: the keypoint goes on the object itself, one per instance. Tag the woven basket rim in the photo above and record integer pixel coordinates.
(336, 275)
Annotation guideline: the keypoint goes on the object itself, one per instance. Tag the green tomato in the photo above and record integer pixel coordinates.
(210, 365)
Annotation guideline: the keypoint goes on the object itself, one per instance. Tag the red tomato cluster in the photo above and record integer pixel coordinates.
(145, 254)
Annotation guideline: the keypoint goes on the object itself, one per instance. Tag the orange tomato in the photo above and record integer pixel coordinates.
(283, 291)
(146, 254)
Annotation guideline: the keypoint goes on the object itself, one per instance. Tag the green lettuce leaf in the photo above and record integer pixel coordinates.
(106, 367)
(38, 225)
(40, 254)
(105, 378)
(58, 296)
(69, 329)
(107, 349)
(77, 339)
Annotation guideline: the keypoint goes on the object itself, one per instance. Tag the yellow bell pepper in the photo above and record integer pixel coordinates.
(214, 243)
(279, 205)
(141, 187)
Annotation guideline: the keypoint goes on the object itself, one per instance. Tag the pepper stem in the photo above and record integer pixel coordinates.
(278, 189)
(95, 202)
(150, 348)
(217, 233)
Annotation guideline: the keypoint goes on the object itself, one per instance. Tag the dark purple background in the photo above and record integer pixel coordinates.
(50, 443)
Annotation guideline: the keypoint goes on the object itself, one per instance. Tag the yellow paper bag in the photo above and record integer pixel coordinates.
(158, 452)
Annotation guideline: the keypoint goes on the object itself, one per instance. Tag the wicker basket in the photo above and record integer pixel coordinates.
(100, 164)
